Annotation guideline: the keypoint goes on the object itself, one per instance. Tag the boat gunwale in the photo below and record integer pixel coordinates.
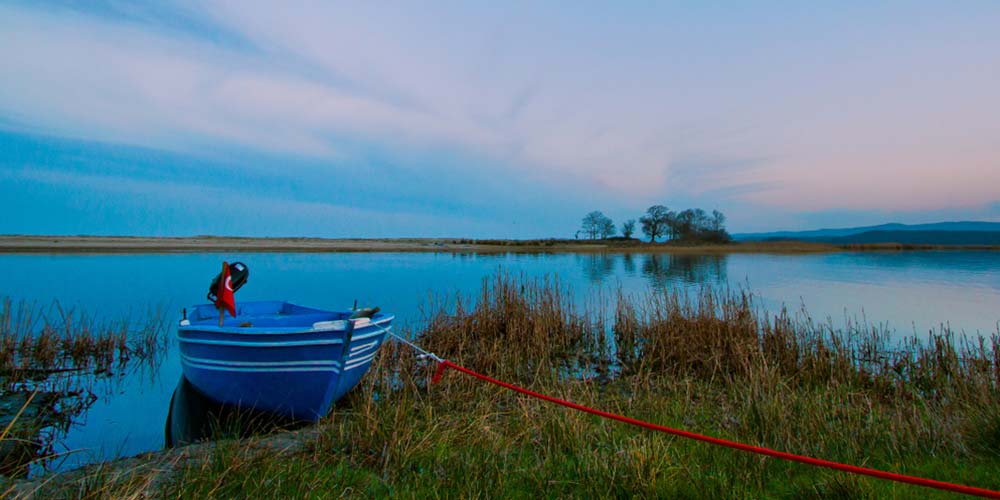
(286, 343)
(287, 330)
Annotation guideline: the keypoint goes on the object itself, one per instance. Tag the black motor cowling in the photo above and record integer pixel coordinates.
(238, 274)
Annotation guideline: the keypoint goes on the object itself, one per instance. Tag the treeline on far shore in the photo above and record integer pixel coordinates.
(689, 225)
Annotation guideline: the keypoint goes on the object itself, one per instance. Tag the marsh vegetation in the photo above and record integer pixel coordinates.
(710, 362)
(52, 364)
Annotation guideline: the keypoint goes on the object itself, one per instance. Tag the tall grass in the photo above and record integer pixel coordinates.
(50, 358)
(36, 341)
(711, 362)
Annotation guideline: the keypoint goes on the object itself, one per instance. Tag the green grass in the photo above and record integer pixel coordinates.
(710, 364)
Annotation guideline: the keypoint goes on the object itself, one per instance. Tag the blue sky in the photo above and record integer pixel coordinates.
(502, 119)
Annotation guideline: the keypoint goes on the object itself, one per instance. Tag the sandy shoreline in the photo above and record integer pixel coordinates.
(31, 244)
(23, 244)
(200, 244)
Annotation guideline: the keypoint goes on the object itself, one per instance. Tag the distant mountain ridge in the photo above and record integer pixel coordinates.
(908, 237)
(942, 233)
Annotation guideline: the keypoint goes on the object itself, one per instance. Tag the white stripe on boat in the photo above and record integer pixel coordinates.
(264, 369)
(354, 359)
(366, 336)
(354, 366)
(223, 362)
(363, 347)
(241, 343)
(352, 363)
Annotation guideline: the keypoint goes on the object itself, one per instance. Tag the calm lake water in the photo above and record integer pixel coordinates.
(909, 292)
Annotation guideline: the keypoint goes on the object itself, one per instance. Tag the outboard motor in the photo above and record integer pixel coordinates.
(238, 274)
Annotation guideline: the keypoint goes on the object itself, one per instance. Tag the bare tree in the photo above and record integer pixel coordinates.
(628, 228)
(607, 228)
(597, 225)
(683, 224)
(654, 223)
(718, 221)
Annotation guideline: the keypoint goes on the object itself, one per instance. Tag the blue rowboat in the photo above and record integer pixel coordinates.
(285, 359)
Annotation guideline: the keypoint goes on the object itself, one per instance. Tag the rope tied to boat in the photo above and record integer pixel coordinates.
(851, 469)
(424, 354)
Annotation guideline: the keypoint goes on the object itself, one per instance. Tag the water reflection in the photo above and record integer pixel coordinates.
(662, 270)
(597, 267)
(32, 422)
(193, 417)
(56, 365)
(628, 262)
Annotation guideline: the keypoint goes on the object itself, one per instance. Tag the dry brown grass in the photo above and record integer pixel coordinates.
(35, 341)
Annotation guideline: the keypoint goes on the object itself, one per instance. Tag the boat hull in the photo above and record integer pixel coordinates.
(292, 372)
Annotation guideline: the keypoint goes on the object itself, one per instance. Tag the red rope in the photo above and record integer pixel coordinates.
(919, 481)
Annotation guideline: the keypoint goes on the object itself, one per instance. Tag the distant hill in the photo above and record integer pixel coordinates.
(939, 233)
(918, 238)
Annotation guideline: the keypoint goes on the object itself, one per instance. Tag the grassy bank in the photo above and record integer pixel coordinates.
(711, 364)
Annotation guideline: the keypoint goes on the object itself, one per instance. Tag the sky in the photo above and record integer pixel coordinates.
(493, 119)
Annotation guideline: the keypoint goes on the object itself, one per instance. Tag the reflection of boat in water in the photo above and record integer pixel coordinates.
(195, 417)
(289, 360)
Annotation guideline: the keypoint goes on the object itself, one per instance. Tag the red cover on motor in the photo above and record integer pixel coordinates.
(224, 295)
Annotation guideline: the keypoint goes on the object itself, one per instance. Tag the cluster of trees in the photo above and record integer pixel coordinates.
(596, 225)
(693, 224)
